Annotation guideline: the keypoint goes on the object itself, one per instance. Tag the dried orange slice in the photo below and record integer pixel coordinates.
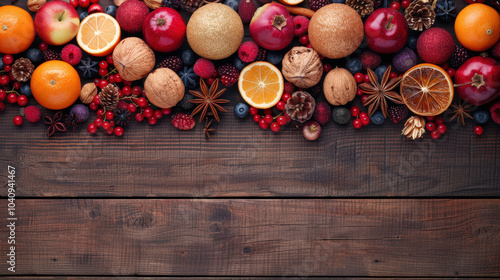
(98, 34)
(427, 90)
(261, 84)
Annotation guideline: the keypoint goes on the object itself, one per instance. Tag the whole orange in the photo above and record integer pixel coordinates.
(477, 27)
(17, 30)
(55, 84)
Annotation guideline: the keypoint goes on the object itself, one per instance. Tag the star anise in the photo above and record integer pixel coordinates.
(72, 121)
(55, 123)
(208, 130)
(207, 98)
(379, 92)
(460, 112)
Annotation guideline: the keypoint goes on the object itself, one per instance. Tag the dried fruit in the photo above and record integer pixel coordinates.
(339, 86)
(133, 59)
(414, 127)
(302, 67)
(164, 88)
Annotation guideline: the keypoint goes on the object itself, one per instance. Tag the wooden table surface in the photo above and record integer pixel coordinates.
(165, 204)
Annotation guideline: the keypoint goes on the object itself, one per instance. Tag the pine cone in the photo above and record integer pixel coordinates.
(300, 107)
(109, 97)
(363, 7)
(414, 127)
(419, 15)
(22, 69)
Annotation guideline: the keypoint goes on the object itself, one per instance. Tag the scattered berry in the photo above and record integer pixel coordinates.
(183, 121)
(256, 118)
(172, 62)
(152, 120)
(22, 100)
(459, 56)
(478, 130)
(280, 105)
(364, 118)
(111, 10)
(12, 98)
(95, 8)
(238, 63)
(481, 116)
(248, 51)
(139, 117)
(118, 131)
(359, 77)
(35, 55)
(435, 134)
(92, 128)
(396, 113)
(263, 124)
(318, 4)
(233, 4)
(396, 6)
(281, 120)
(439, 120)
(253, 111)
(441, 129)
(268, 119)
(300, 23)
(304, 40)
(430, 126)
(241, 110)
(275, 127)
(355, 111)
(228, 74)
(18, 120)
(354, 65)
(8, 59)
(357, 124)
(204, 68)
(380, 71)
(377, 118)
(274, 57)
(285, 97)
(327, 67)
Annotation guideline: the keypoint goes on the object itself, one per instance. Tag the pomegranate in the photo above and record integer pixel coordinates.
(271, 27)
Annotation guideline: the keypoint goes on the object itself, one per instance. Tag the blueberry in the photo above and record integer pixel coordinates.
(481, 116)
(380, 72)
(377, 118)
(412, 41)
(111, 10)
(363, 44)
(188, 57)
(338, 1)
(238, 63)
(1, 63)
(241, 110)
(233, 4)
(83, 15)
(35, 55)
(274, 57)
(25, 89)
(354, 65)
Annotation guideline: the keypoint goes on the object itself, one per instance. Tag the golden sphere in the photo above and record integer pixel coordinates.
(335, 30)
(214, 31)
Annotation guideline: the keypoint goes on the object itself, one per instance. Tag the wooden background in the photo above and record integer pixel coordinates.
(249, 203)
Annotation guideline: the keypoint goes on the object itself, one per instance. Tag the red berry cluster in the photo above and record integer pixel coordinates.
(267, 120)
(93, 5)
(361, 118)
(11, 88)
(436, 126)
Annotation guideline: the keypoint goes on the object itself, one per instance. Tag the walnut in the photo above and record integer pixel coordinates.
(339, 86)
(35, 5)
(302, 67)
(133, 59)
(153, 4)
(164, 88)
(89, 90)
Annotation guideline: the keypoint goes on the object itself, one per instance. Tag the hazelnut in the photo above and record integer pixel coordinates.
(302, 67)
(35, 5)
(89, 90)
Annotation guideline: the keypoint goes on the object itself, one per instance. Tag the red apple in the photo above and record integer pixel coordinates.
(386, 31)
(57, 22)
(478, 80)
(164, 30)
(272, 27)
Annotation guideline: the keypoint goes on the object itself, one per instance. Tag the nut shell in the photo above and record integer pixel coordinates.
(335, 31)
(89, 90)
(153, 4)
(214, 31)
(35, 5)
(164, 88)
(339, 86)
(302, 67)
(133, 59)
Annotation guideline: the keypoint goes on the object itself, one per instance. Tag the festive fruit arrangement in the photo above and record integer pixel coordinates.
(304, 65)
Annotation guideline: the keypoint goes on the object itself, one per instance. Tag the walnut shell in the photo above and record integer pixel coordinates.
(35, 5)
(164, 88)
(89, 90)
(153, 4)
(339, 86)
(133, 59)
(302, 67)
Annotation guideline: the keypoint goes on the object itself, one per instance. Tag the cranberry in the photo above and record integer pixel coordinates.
(95, 8)
(106, 125)
(363, 98)
(431, 118)
(103, 72)
(435, 134)
(139, 117)
(152, 120)
(367, 78)
(109, 59)
(74, 3)
(96, 82)
(126, 90)
(147, 112)
(4, 80)
(430, 126)
(110, 131)
(304, 40)
(93, 106)
(137, 91)
(445, 66)
(22, 100)
(2, 106)
(7, 68)
(280, 105)
(275, 127)
(103, 83)
(327, 67)
(396, 6)
(253, 111)
(127, 83)
(3, 95)
(263, 124)
(441, 129)
(111, 80)
(393, 75)
(98, 122)
(96, 99)
(110, 115)
(43, 46)
(18, 120)
(451, 72)
(359, 92)
(166, 111)
(132, 108)
(92, 128)
(210, 81)
(268, 119)
(268, 112)
(281, 120)
(355, 111)
(12, 98)
(478, 130)
(8, 59)
(439, 120)
(285, 97)
(405, 3)
(142, 102)
(119, 131)
(84, 3)
(118, 78)
(17, 85)
(157, 114)
(357, 124)
(100, 113)
(256, 118)
(364, 118)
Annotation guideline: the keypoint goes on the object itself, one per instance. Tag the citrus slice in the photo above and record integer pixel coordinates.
(261, 84)
(98, 34)
(427, 90)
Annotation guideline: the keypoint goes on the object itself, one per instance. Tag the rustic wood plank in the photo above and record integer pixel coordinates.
(215, 278)
(243, 160)
(264, 237)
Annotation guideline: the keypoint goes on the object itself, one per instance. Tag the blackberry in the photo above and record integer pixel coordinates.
(459, 56)
(185, 104)
(50, 54)
(341, 115)
(315, 90)
(228, 74)
(172, 62)
(396, 113)
(262, 55)
(170, 3)
(317, 4)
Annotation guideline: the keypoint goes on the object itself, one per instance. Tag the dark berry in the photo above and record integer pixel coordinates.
(377, 118)
(341, 115)
(396, 113)
(274, 57)
(172, 62)
(35, 55)
(188, 57)
(241, 110)
(228, 74)
(83, 15)
(238, 63)
(481, 116)
(185, 104)
(317, 4)
(110, 10)
(354, 65)
(380, 72)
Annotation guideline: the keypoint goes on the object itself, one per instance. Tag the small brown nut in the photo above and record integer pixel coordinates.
(35, 5)
(89, 90)
(118, 2)
(164, 88)
(302, 67)
(339, 86)
(153, 4)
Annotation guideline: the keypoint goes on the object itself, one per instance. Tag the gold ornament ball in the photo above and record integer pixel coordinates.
(214, 31)
(335, 30)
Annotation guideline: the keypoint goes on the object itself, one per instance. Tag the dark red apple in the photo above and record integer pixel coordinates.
(164, 30)
(386, 31)
(478, 80)
(272, 27)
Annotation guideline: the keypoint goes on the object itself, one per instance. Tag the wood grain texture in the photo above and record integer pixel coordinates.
(219, 278)
(264, 237)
